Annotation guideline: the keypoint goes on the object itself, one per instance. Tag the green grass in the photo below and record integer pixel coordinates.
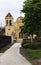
(33, 54)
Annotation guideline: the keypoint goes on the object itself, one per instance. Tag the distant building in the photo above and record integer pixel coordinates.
(13, 28)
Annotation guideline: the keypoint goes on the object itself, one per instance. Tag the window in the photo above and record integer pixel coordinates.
(9, 29)
(6, 22)
(10, 22)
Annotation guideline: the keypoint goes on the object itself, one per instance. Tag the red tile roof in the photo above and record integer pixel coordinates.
(9, 15)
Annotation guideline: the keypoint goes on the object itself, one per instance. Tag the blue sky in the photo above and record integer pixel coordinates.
(12, 6)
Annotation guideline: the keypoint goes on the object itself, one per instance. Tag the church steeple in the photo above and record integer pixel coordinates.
(9, 19)
(8, 15)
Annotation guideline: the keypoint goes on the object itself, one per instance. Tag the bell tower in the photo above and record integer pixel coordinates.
(9, 19)
(9, 23)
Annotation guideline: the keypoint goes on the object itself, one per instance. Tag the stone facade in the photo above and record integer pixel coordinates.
(13, 27)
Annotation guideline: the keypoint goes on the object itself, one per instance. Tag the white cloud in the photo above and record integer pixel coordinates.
(13, 6)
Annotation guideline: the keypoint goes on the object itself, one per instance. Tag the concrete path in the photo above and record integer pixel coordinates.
(13, 57)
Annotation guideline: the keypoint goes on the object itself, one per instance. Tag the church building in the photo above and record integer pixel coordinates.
(13, 28)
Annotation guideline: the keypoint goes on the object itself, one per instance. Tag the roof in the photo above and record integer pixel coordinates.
(20, 18)
(9, 15)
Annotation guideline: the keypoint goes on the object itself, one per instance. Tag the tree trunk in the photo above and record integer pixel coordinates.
(31, 36)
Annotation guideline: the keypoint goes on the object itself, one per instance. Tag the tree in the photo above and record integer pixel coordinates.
(32, 18)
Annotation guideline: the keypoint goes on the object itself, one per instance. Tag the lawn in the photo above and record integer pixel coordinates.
(32, 55)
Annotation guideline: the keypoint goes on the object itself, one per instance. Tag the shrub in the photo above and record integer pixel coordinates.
(4, 40)
(26, 45)
(34, 45)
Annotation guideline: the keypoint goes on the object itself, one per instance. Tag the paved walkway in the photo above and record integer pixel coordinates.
(13, 57)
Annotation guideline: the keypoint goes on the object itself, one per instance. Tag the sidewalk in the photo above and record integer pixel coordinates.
(13, 57)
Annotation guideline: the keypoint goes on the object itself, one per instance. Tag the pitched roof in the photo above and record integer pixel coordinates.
(9, 15)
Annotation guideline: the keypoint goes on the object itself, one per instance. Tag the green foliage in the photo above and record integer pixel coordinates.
(34, 54)
(32, 19)
(34, 45)
(26, 45)
(2, 32)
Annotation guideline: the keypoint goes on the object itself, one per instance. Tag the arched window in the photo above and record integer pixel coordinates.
(6, 22)
(10, 22)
